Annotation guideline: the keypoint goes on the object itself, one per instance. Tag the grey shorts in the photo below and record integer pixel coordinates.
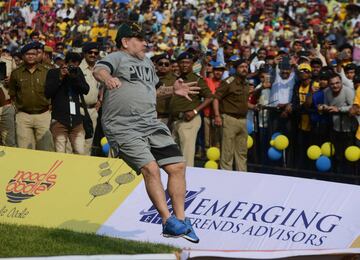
(139, 151)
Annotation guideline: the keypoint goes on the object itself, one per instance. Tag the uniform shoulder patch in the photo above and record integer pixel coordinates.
(229, 80)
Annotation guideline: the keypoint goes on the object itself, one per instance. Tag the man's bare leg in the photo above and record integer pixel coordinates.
(177, 190)
(155, 189)
(177, 187)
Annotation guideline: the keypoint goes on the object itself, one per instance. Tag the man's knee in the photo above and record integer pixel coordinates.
(175, 168)
(150, 169)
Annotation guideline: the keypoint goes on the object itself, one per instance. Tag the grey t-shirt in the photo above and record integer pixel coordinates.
(130, 111)
(343, 101)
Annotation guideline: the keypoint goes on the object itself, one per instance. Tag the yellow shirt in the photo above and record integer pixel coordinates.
(357, 102)
(305, 119)
(94, 32)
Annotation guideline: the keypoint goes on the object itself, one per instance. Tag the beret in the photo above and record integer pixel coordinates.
(161, 56)
(28, 47)
(185, 55)
(239, 61)
(88, 46)
(39, 45)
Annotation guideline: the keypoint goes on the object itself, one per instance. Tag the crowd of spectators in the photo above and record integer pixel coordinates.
(303, 62)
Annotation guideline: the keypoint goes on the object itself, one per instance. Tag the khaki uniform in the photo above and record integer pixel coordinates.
(91, 99)
(233, 96)
(48, 66)
(7, 110)
(33, 116)
(163, 104)
(184, 132)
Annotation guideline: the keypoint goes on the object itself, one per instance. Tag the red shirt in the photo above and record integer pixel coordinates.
(213, 85)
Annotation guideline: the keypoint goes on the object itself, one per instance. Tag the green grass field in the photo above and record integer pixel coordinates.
(36, 241)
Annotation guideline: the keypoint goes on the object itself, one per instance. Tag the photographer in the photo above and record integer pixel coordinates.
(63, 86)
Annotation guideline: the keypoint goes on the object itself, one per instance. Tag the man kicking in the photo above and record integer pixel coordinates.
(133, 131)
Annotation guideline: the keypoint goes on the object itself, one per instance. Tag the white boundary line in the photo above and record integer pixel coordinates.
(102, 257)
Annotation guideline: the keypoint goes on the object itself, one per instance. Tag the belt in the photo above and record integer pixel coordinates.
(178, 116)
(163, 115)
(34, 112)
(7, 102)
(237, 116)
(91, 106)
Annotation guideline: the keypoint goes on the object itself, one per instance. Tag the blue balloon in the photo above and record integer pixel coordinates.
(250, 127)
(106, 148)
(274, 135)
(274, 154)
(323, 164)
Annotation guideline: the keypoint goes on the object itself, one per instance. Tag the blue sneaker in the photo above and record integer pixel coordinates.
(191, 236)
(174, 228)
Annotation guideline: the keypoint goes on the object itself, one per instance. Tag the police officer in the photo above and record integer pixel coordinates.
(26, 89)
(185, 113)
(231, 101)
(7, 110)
(91, 51)
(166, 78)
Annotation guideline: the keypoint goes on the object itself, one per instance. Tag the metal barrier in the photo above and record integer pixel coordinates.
(295, 162)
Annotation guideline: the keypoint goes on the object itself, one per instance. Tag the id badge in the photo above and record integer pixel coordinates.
(72, 108)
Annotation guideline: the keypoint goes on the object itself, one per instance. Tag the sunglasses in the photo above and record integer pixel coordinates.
(93, 52)
(164, 64)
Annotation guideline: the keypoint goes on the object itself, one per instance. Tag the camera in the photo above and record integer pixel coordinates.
(72, 69)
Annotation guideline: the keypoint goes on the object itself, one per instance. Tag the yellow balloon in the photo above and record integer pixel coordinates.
(211, 165)
(250, 142)
(327, 149)
(103, 141)
(352, 153)
(213, 153)
(314, 152)
(281, 142)
(272, 142)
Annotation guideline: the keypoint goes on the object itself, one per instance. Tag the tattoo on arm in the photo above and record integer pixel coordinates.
(164, 92)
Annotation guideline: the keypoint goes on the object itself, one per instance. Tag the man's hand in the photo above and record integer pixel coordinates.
(354, 110)
(333, 109)
(217, 120)
(185, 89)
(98, 105)
(6, 81)
(112, 83)
(189, 115)
(63, 72)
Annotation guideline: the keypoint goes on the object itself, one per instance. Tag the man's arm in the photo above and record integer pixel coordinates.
(104, 76)
(217, 117)
(179, 88)
(52, 83)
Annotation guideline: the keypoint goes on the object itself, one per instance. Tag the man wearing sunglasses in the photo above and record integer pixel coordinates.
(133, 131)
(166, 78)
(90, 52)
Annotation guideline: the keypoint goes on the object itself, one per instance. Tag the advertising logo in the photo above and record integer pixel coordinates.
(153, 216)
(27, 184)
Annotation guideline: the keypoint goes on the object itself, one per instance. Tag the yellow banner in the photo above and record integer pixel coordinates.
(61, 190)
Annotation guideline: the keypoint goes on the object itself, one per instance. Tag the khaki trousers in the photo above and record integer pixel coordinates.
(234, 144)
(33, 131)
(62, 134)
(185, 134)
(88, 142)
(7, 126)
